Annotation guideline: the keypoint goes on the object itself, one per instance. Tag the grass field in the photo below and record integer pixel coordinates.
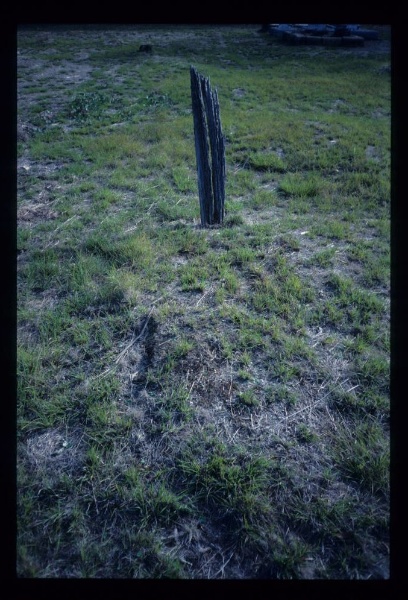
(202, 403)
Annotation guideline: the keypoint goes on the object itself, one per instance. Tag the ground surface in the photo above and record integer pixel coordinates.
(206, 404)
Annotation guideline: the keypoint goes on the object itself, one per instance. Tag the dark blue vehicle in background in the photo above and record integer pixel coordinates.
(310, 33)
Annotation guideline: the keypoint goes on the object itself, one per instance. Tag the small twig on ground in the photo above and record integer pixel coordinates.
(232, 437)
(207, 562)
(196, 381)
(131, 343)
(65, 222)
(230, 396)
(59, 227)
(259, 422)
(331, 418)
(204, 295)
(53, 244)
(223, 566)
(286, 419)
(133, 340)
(240, 167)
(94, 497)
(134, 226)
(152, 187)
(308, 407)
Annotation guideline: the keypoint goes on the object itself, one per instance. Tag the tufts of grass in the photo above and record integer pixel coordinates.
(301, 186)
(136, 250)
(233, 220)
(373, 371)
(174, 405)
(241, 256)
(333, 230)
(104, 198)
(363, 456)
(305, 435)
(263, 199)
(169, 209)
(241, 182)
(185, 241)
(323, 258)
(281, 294)
(366, 402)
(280, 393)
(232, 489)
(289, 243)
(348, 306)
(376, 272)
(248, 397)
(85, 105)
(266, 161)
(183, 179)
(231, 282)
(193, 277)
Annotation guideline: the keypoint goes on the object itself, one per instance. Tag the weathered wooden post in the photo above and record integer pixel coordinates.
(210, 149)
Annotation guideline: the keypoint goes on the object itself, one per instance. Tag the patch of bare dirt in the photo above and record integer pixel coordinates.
(43, 195)
(56, 449)
(36, 212)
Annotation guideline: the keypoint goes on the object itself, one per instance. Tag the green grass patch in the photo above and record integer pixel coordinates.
(263, 199)
(363, 457)
(266, 161)
(301, 186)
